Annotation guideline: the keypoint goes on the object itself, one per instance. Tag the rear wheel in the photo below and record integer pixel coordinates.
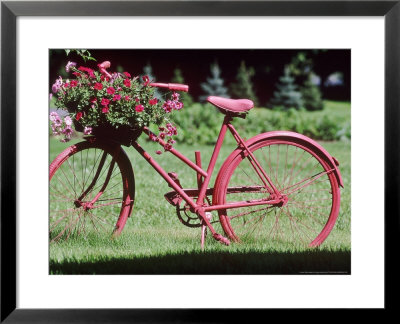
(299, 172)
(91, 191)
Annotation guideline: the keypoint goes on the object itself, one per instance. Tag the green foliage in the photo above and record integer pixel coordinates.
(200, 124)
(243, 87)
(186, 98)
(287, 96)
(84, 53)
(214, 86)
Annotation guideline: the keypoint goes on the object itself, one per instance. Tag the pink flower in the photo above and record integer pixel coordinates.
(153, 101)
(137, 99)
(57, 85)
(139, 108)
(168, 106)
(105, 109)
(127, 98)
(127, 74)
(110, 90)
(171, 130)
(93, 100)
(146, 80)
(78, 115)
(87, 130)
(116, 97)
(68, 66)
(178, 105)
(98, 86)
(127, 83)
(153, 137)
(175, 96)
(68, 121)
(105, 102)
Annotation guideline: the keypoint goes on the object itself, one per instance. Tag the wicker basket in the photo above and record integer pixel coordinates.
(124, 135)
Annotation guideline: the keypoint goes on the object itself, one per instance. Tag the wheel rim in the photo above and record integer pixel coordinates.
(74, 183)
(302, 176)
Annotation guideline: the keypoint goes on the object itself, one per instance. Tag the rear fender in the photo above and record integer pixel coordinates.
(298, 138)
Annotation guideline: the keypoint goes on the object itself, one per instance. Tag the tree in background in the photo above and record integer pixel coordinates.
(186, 98)
(243, 87)
(148, 70)
(301, 67)
(214, 86)
(287, 96)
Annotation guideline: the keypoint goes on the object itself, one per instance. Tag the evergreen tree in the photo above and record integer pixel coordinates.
(214, 86)
(287, 95)
(243, 88)
(148, 70)
(311, 94)
(186, 98)
(301, 67)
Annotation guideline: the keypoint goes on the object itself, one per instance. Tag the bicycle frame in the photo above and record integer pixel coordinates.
(198, 205)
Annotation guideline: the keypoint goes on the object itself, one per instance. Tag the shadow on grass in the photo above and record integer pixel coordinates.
(310, 262)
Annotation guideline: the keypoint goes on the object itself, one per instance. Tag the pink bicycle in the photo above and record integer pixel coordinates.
(278, 185)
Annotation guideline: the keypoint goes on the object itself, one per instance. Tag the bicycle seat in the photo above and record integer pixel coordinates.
(232, 107)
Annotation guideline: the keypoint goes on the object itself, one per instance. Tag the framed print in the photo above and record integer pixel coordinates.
(365, 34)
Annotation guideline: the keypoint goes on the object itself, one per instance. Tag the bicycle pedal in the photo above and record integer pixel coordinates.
(173, 198)
(174, 177)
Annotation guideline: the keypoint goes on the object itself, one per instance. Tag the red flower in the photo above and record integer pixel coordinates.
(116, 97)
(78, 116)
(139, 108)
(66, 85)
(98, 86)
(110, 90)
(146, 80)
(93, 100)
(127, 98)
(127, 74)
(153, 101)
(137, 99)
(89, 71)
(73, 83)
(105, 109)
(127, 83)
(105, 102)
(77, 74)
(158, 152)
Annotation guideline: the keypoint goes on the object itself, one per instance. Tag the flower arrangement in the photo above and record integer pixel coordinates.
(98, 100)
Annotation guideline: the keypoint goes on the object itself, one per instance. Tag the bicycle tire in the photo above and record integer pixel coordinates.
(307, 221)
(77, 176)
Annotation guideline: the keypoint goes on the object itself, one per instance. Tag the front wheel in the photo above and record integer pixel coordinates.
(91, 191)
(300, 173)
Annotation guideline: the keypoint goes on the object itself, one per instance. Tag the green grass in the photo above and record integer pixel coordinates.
(155, 242)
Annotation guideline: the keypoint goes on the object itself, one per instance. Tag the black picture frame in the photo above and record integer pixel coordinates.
(10, 10)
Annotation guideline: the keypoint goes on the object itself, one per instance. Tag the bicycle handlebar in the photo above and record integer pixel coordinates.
(171, 86)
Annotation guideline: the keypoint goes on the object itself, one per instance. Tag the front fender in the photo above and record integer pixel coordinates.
(299, 138)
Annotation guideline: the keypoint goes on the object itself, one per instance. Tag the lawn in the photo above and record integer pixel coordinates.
(155, 242)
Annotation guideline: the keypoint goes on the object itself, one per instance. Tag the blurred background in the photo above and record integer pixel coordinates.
(307, 91)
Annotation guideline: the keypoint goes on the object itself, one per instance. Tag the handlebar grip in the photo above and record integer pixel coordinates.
(171, 86)
(178, 87)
